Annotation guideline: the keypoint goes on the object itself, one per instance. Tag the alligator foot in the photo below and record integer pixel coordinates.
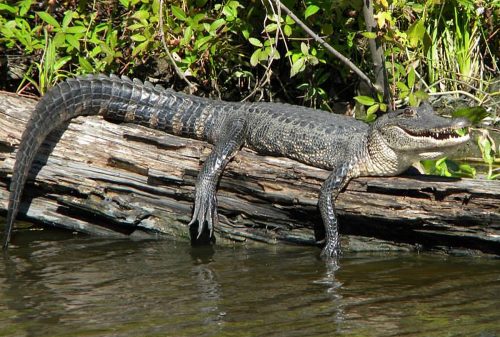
(205, 214)
(331, 251)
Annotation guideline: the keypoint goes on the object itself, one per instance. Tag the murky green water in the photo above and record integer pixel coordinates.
(94, 287)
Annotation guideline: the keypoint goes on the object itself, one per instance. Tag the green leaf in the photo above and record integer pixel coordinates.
(47, 18)
(422, 95)
(73, 41)
(413, 100)
(311, 10)
(365, 100)
(484, 144)
(25, 6)
(271, 27)
(416, 33)
(125, 3)
(201, 42)
(254, 59)
(255, 42)
(140, 48)
(461, 132)
(298, 66)
(141, 15)
(411, 78)
(68, 17)
(155, 7)
(76, 30)
(402, 86)
(230, 11)
(95, 51)
(369, 35)
(188, 34)
(178, 13)
(245, 33)
(372, 109)
(61, 62)
(275, 54)
(85, 64)
(216, 25)
(4, 7)
(474, 114)
(135, 26)
(287, 30)
(108, 51)
(467, 170)
(138, 38)
(59, 39)
(304, 48)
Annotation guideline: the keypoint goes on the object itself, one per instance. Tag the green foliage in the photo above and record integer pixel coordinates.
(407, 90)
(488, 152)
(474, 114)
(447, 168)
(445, 44)
(59, 44)
(49, 68)
(373, 106)
(234, 49)
(430, 45)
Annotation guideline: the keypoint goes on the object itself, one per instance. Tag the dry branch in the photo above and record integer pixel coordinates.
(97, 177)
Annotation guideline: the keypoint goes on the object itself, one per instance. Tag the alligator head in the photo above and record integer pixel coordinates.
(400, 138)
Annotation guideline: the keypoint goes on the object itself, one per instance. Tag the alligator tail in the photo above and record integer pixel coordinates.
(115, 98)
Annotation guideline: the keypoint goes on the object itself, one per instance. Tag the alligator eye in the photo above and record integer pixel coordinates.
(409, 112)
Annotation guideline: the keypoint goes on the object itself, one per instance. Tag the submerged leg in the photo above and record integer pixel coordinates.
(330, 189)
(205, 204)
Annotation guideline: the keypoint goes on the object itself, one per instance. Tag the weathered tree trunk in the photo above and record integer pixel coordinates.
(377, 53)
(97, 177)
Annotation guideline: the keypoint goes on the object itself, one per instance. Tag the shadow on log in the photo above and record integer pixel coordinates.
(120, 180)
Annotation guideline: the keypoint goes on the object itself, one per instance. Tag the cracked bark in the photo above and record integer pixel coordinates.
(101, 178)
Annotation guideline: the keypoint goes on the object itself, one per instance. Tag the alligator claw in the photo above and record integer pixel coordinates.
(205, 212)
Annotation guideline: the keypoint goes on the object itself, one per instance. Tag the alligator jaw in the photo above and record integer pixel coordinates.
(441, 137)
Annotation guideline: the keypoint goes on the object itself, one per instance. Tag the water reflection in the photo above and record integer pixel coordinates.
(98, 287)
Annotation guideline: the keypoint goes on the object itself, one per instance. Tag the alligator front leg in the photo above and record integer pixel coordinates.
(205, 204)
(330, 189)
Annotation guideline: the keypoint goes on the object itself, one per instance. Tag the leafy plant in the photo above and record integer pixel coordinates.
(49, 68)
(488, 152)
(233, 49)
(447, 168)
(373, 106)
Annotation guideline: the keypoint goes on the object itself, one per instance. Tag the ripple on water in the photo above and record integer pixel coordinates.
(95, 287)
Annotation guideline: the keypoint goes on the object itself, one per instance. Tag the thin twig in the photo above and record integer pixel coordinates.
(192, 87)
(334, 52)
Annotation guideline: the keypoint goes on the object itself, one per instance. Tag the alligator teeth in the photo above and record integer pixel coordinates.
(449, 133)
(442, 134)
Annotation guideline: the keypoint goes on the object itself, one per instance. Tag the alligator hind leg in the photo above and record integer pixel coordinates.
(231, 139)
(330, 189)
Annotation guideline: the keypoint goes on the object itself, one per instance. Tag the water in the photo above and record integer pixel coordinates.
(78, 286)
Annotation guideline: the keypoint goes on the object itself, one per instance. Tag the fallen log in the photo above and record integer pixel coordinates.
(97, 177)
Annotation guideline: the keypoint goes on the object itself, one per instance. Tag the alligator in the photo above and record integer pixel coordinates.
(347, 147)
